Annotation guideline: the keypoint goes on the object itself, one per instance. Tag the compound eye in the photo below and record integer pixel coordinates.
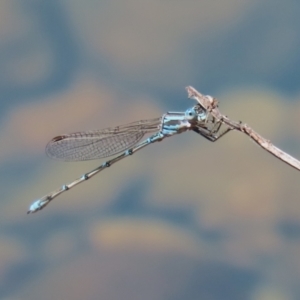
(190, 114)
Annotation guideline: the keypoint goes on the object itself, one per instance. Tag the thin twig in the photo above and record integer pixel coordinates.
(207, 103)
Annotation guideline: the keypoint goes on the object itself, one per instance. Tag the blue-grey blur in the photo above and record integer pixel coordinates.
(184, 219)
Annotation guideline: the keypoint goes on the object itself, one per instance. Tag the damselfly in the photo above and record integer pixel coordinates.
(124, 140)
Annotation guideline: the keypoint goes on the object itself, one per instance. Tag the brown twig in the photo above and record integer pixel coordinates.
(207, 101)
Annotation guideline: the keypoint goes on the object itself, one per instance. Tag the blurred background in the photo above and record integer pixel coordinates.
(182, 219)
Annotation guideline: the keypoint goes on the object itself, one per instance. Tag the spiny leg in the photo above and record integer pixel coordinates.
(42, 202)
(205, 133)
(212, 134)
(217, 136)
(216, 127)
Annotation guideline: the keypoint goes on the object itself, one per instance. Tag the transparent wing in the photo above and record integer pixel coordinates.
(96, 144)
